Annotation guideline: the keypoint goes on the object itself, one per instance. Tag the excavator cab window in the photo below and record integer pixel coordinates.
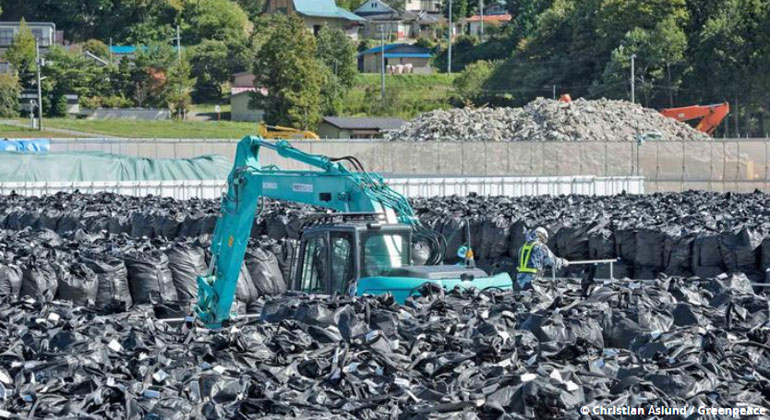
(314, 265)
(382, 252)
(342, 262)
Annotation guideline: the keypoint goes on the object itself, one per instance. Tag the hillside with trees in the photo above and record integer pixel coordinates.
(686, 52)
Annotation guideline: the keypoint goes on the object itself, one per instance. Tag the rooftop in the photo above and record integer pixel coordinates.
(365, 123)
(17, 23)
(491, 18)
(324, 8)
(129, 49)
(406, 50)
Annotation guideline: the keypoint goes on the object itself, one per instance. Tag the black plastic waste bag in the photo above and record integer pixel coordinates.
(77, 283)
(10, 280)
(149, 277)
(38, 280)
(186, 263)
(112, 276)
(264, 271)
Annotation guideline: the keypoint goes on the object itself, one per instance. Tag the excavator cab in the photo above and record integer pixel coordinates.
(373, 258)
(332, 258)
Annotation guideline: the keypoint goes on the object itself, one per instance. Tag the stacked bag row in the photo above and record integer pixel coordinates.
(114, 272)
(684, 234)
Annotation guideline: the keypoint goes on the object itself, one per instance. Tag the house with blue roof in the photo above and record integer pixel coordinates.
(317, 13)
(410, 57)
(120, 52)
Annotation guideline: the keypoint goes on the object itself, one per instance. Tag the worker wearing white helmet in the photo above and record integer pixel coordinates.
(534, 257)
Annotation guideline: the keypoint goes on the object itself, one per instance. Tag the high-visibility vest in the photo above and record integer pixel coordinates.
(524, 254)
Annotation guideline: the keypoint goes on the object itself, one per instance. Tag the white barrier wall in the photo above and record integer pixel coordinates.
(408, 186)
(739, 165)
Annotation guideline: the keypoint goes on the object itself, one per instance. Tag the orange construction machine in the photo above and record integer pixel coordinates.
(711, 115)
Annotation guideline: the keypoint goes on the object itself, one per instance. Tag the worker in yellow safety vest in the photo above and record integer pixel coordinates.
(534, 256)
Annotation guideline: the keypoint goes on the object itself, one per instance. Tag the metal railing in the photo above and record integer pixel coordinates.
(718, 165)
(409, 187)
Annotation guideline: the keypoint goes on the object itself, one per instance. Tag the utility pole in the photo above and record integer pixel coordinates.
(110, 50)
(178, 46)
(633, 78)
(382, 62)
(481, 13)
(179, 61)
(39, 90)
(451, 30)
(554, 92)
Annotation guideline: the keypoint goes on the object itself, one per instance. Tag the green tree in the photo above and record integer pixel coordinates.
(10, 89)
(220, 30)
(97, 48)
(338, 54)
(459, 9)
(177, 90)
(69, 72)
(253, 8)
(337, 51)
(365, 44)
(584, 47)
(99, 19)
(211, 65)
(657, 51)
(286, 66)
(221, 20)
(120, 79)
(525, 13)
(149, 73)
(561, 50)
(142, 33)
(730, 54)
(21, 53)
(469, 85)
(142, 22)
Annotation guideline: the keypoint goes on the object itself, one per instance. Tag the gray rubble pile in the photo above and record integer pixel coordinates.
(546, 120)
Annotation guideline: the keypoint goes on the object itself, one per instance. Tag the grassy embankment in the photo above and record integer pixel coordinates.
(406, 97)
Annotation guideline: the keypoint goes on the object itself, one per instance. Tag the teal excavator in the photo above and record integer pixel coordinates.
(363, 247)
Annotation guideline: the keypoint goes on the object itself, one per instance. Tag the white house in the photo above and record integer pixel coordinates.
(383, 20)
(432, 6)
(317, 13)
(241, 89)
(44, 32)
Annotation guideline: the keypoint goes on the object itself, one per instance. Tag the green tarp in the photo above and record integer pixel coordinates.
(100, 166)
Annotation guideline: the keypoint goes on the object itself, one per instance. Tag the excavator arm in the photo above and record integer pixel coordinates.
(711, 115)
(281, 132)
(332, 186)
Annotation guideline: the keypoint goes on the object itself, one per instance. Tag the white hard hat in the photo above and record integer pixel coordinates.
(542, 233)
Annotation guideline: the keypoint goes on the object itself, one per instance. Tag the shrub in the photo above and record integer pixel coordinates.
(10, 89)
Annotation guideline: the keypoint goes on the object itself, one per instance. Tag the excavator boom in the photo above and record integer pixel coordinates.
(711, 115)
(332, 186)
(283, 133)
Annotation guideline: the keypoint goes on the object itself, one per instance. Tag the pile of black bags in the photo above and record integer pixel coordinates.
(543, 353)
(685, 234)
(104, 271)
(84, 280)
